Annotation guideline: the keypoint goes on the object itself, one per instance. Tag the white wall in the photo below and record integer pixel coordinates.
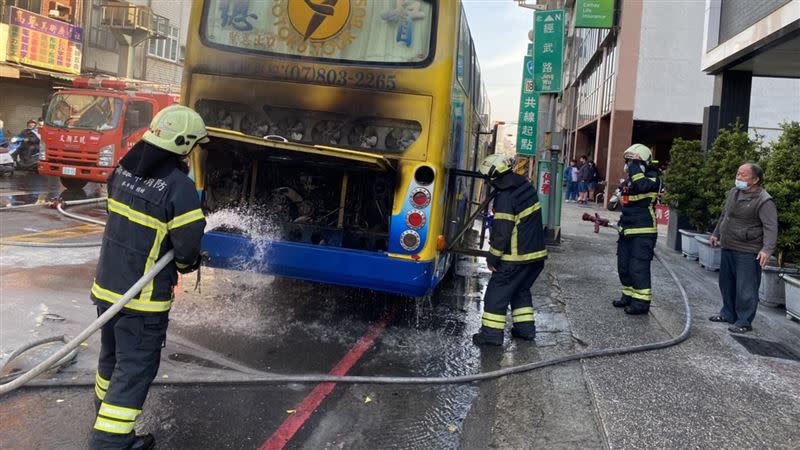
(772, 101)
(670, 87)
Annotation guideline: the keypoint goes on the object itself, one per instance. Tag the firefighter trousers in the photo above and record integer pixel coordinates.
(634, 254)
(130, 352)
(510, 284)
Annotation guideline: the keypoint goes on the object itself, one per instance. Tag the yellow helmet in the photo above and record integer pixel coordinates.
(176, 129)
(638, 151)
(494, 165)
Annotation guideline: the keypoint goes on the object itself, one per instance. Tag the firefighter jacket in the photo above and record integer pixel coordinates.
(517, 234)
(639, 195)
(152, 207)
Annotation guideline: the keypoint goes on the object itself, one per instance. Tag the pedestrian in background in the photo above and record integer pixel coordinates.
(2, 132)
(153, 207)
(594, 177)
(747, 231)
(517, 253)
(584, 175)
(571, 181)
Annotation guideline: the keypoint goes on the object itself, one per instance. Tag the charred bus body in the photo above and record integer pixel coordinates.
(340, 128)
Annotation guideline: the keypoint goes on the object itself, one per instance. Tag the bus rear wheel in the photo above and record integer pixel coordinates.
(73, 183)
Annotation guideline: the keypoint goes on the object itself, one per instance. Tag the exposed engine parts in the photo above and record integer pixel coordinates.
(313, 127)
(304, 202)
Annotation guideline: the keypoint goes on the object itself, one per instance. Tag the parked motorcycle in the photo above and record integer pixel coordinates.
(24, 150)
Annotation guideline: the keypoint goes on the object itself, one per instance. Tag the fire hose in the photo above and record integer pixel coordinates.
(322, 378)
(58, 205)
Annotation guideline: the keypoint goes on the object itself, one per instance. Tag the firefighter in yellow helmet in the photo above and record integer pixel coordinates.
(517, 254)
(637, 229)
(153, 207)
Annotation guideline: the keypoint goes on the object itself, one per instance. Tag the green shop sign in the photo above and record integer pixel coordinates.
(594, 13)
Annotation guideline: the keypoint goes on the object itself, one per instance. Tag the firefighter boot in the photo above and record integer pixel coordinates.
(637, 307)
(143, 442)
(622, 302)
(525, 331)
(488, 337)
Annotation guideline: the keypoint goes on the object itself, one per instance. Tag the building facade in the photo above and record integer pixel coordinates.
(26, 83)
(646, 81)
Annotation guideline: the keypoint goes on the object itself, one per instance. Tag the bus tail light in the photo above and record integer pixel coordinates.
(420, 197)
(415, 219)
(410, 240)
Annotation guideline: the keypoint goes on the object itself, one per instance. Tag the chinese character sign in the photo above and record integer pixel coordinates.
(548, 50)
(38, 41)
(528, 111)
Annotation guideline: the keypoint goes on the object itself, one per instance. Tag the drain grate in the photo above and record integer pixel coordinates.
(770, 349)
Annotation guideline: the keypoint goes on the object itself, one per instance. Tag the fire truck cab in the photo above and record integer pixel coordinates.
(90, 127)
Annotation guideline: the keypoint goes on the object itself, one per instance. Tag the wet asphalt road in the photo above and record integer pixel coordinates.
(265, 324)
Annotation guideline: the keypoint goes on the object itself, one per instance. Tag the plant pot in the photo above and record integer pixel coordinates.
(709, 257)
(771, 292)
(792, 291)
(689, 244)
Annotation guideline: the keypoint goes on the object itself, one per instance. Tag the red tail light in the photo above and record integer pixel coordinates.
(420, 197)
(415, 219)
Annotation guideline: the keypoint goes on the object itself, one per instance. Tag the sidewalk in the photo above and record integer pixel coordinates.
(708, 392)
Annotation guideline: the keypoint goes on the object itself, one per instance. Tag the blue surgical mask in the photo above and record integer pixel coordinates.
(741, 185)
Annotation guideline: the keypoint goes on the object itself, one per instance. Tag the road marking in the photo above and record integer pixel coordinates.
(306, 408)
(58, 234)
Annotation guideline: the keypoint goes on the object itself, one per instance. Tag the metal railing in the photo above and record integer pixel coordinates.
(133, 18)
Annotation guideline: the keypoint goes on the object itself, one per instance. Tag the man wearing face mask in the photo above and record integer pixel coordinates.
(747, 231)
(637, 230)
(517, 256)
(153, 207)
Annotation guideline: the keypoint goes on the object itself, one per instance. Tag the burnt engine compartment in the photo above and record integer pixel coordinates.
(306, 198)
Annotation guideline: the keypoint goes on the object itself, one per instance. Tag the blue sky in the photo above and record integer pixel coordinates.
(500, 31)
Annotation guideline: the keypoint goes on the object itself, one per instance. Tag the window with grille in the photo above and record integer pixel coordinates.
(166, 48)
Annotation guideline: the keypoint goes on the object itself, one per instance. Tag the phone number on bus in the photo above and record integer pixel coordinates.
(311, 74)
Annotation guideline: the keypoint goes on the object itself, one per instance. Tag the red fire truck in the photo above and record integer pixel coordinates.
(90, 127)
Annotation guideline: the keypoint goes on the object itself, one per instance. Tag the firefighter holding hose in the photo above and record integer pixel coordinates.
(637, 230)
(152, 208)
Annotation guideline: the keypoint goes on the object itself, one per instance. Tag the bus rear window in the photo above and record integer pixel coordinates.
(360, 31)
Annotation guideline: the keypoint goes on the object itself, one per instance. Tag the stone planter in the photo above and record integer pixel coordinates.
(689, 244)
(792, 290)
(771, 292)
(709, 257)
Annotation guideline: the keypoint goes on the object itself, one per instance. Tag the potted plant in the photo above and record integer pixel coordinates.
(683, 193)
(782, 181)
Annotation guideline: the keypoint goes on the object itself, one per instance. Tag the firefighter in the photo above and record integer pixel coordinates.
(153, 207)
(637, 229)
(517, 254)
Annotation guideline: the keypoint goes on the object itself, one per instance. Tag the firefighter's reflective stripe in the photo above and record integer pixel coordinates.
(526, 257)
(627, 290)
(137, 304)
(515, 256)
(504, 216)
(495, 251)
(637, 197)
(100, 386)
(118, 412)
(522, 314)
(647, 230)
(644, 295)
(185, 219)
(637, 176)
(495, 321)
(135, 216)
(113, 426)
(147, 291)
